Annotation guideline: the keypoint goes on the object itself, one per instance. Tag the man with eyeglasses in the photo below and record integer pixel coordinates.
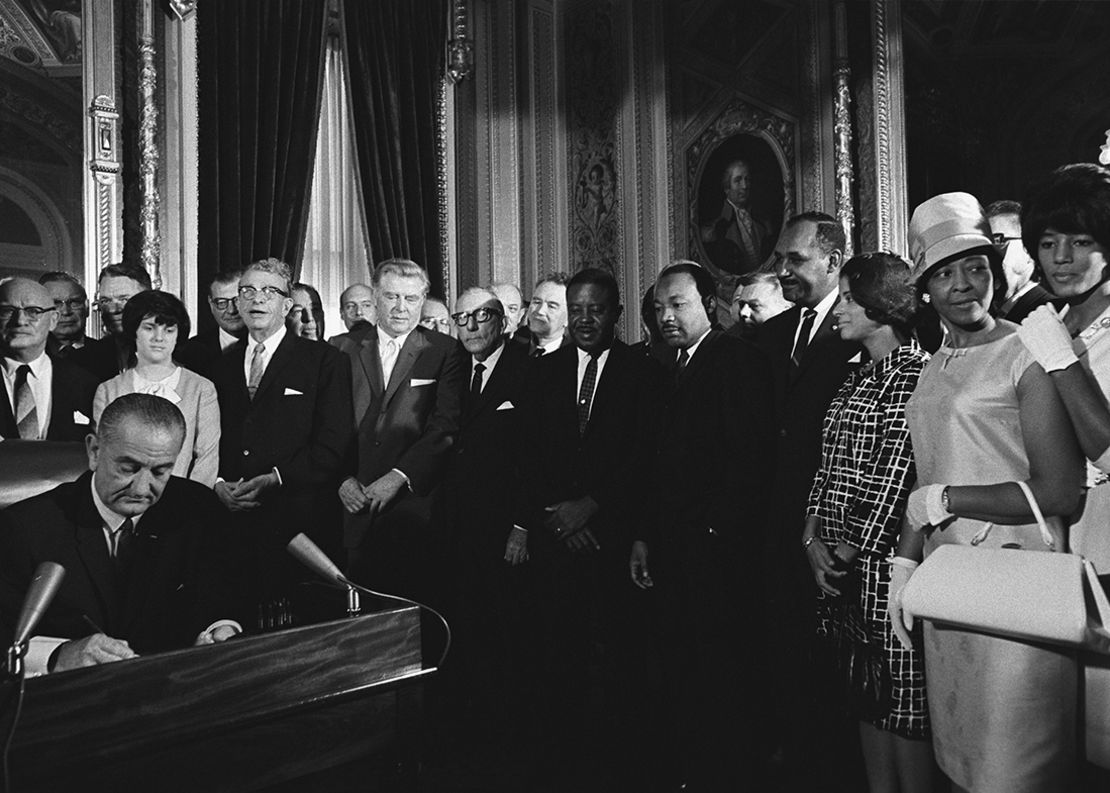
(44, 399)
(407, 386)
(285, 421)
(435, 316)
(1023, 294)
(72, 305)
(108, 356)
(202, 352)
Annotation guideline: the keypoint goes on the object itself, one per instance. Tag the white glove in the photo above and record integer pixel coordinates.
(1044, 335)
(900, 621)
(925, 507)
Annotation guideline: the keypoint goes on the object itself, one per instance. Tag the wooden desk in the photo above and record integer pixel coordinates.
(244, 715)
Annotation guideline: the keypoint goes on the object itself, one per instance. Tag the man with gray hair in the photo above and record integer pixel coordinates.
(513, 303)
(285, 418)
(72, 304)
(145, 552)
(44, 398)
(406, 387)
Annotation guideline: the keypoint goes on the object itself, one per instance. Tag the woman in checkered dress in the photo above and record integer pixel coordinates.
(857, 502)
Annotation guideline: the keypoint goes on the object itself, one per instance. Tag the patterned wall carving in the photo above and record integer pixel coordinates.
(593, 83)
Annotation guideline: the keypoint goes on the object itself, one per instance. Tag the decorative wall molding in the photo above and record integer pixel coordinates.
(103, 190)
(178, 178)
(48, 218)
(443, 185)
(889, 123)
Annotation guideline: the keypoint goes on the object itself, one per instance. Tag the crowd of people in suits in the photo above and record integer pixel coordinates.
(650, 554)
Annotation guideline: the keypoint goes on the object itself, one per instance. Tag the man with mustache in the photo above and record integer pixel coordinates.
(712, 467)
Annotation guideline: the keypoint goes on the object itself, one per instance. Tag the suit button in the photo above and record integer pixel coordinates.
(246, 452)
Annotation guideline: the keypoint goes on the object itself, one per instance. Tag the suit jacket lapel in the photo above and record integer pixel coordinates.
(371, 381)
(405, 359)
(7, 417)
(603, 388)
(93, 550)
(813, 349)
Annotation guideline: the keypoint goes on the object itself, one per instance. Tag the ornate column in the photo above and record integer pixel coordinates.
(150, 255)
(842, 127)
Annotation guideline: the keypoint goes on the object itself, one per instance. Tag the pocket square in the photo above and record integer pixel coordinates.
(80, 418)
(506, 405)
(416, 381)
(293, 392)
(857, 358)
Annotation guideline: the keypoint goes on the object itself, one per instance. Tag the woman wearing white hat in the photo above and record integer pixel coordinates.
(986, 423)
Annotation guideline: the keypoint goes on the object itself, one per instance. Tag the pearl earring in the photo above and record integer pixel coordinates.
(926, 298)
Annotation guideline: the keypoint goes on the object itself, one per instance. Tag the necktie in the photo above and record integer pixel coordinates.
(586, 394)
(26, 413)
(683, 359)
(256, 369)
(389, 358)
(476, 382)
(808, 315)
(536, 353)
(122, 540)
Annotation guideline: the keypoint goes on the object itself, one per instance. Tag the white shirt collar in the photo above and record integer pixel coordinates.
(226, 339)
(552, 346)
(602, 357)
(270, 343)
(112, 520)
(383, 338)
(823, 308)
(39, 366)
(694, 347)
(491, 361)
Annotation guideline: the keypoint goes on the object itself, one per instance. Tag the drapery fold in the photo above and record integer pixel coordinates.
(260, 78)
(395, 58)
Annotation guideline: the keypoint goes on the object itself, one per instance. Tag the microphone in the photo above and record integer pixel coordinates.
(309, 554)
(44, 586)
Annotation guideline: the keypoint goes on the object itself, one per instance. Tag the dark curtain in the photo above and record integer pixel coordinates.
(261, 73)
(395, 53)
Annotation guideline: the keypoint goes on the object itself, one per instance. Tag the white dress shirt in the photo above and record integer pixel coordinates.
(226, 339)
(389, 360)
(490, 363)
(823, 308)
(42, 373)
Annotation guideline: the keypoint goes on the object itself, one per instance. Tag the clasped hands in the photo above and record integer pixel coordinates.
(825, 567)
(246, 494)
(375, 496)
(568, 521)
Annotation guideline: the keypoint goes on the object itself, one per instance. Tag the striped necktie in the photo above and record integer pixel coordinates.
(26, 412)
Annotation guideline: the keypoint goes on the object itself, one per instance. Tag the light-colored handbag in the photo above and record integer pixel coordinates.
(1036, 596)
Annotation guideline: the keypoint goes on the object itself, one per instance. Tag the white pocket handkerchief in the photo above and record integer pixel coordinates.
(857, 358)
(80, 418)
(416, 381)
(293, 392)
(506, 405)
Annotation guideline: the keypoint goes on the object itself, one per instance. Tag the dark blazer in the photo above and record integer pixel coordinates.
(174, 589)
(202, 353)
(803, 394)
(104, 358)
(714, 451)
(71, 391)
(610, 462)
(477, 492)
(299, 422)
(1037, 296)
(409, 423)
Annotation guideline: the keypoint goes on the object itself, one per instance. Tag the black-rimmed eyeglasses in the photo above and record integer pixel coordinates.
(1002, 239)
(482, 315)
(34, 312)
(268, 293)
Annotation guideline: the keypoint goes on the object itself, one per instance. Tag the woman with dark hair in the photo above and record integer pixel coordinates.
(989, 435)
(154, 323)
(1066, 227)
(855, 512)
(306, 317)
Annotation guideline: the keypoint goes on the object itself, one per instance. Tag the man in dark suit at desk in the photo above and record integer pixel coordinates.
(202, 352)
(44, 398)
(811, 362)
(407, 386)
(285, 418)
(142, 549)
(589, 418)
(712, 466)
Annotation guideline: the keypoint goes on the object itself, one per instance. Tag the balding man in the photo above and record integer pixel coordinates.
(72, 303)
(356, 306)
(513, 303)
(142, 549)
(44, 399)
